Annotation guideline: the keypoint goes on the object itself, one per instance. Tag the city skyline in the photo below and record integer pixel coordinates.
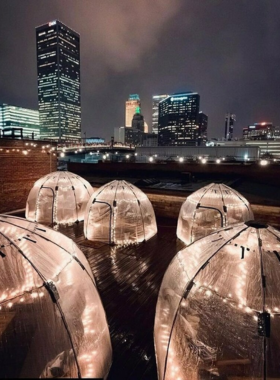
(232, 65)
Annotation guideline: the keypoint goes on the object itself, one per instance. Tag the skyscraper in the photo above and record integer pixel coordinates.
(131, 106)
(229, 122)
(13, 118)
(138, 121)
(58, 67)
(178, 119)
(202, 127)
(156, 100)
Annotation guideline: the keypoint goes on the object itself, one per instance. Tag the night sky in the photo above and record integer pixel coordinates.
(226, 50)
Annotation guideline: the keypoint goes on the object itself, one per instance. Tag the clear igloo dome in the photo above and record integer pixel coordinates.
(52, 322)
(210, 208)
(218, 310)
(119, 213)
(59, 197)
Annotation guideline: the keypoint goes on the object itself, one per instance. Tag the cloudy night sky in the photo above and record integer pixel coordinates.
(226, 50)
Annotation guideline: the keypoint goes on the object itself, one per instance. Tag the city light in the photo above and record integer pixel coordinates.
(127, 156)
(264, 162)
(104, 156)
(181, 159)
(218, 161)
(62, 154)
(203, 161)
(151, 159)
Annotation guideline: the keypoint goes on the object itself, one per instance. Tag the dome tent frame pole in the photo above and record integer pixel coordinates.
(110, 222)
(144, 232)
(213, 208)
(188, 289)
(198, 203)
(238, 196)
(54, 296)
(73, 188)
(57, 245)
(261, 320)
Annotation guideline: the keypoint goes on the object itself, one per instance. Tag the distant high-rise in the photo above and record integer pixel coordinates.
(156, 100)
(131, 106)
(229, 122)
(178, 119)
(14, 119)
(202, 127)
(261, 131)
(58, 67)
(138, 121)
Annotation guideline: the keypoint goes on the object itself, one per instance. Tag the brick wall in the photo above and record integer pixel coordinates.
(19, 171)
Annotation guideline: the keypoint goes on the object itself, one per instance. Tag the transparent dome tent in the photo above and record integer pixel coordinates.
(119, 213)
(210, 208)
(58, 197)
(218, 310)
(52, 322)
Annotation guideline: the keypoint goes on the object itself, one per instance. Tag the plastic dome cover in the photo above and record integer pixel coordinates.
(59, 197)
(210, 208)
(52, 322)
(119, 213)
(218, 310)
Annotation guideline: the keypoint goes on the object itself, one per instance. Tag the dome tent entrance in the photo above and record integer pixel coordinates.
(210, 208)
(52, 320)
(119, 213)
(218, 311)
(59, 197)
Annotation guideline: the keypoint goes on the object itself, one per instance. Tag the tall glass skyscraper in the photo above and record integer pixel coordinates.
(13, 118)
(58, 66)
(156, 100)
(178, 119)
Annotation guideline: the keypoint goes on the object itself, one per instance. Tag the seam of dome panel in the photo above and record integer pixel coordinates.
(224, 214)
(117, 185)
(42, 186)
(194, 214)
(45, 238)
(74, 191)
(80, 179)
(243, 200)
(263, 286)
(138, 202)
(102, 188)
(188, 289)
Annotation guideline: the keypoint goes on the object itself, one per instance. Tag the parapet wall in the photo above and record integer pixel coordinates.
(168, 206)
(21, 165)
(269, 174)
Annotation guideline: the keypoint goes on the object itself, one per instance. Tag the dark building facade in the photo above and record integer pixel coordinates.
(138, 122)
(133, 137)
(229, 123)
(178, 120)
(202, 128)
(58, 68)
